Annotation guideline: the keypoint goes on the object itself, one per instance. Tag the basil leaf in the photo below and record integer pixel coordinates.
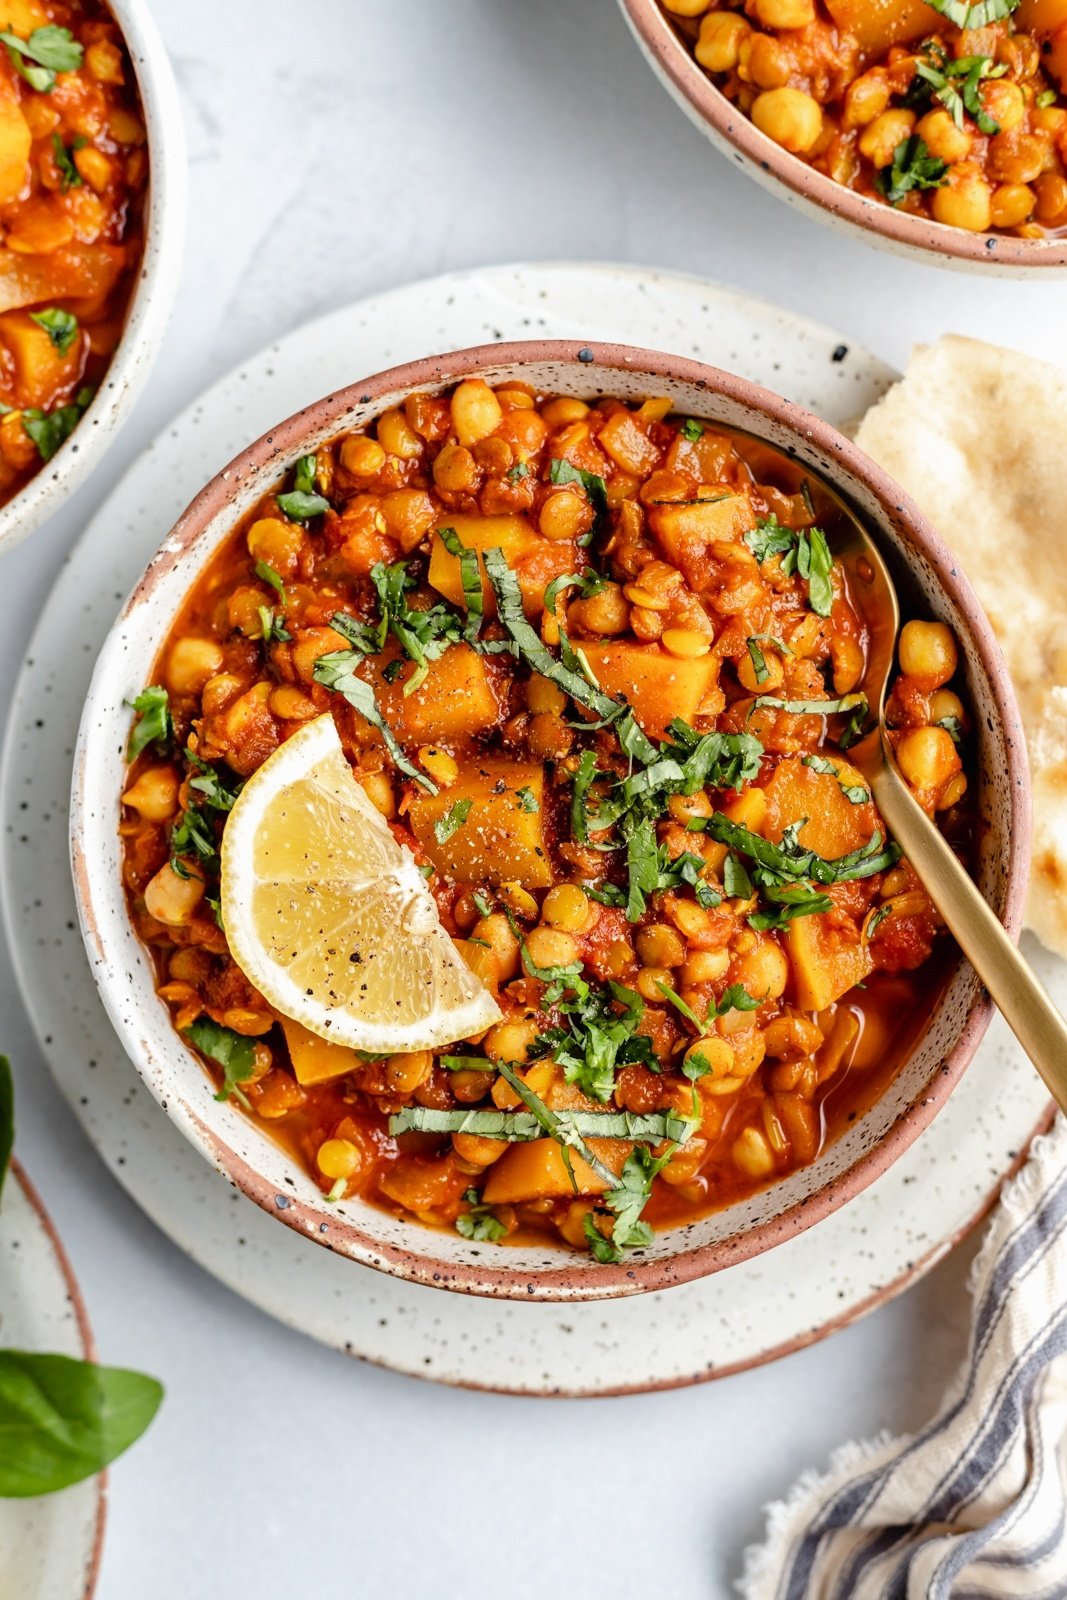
(52, 49)
(854, 793)
(154, 724)
(522, 1127)
(815, 563)
(595, 487)
(789, 862)
(788, 903)
(736, 883)
(452, 820)
(7, 1117)
(300, 506)
(337, 671)
(913, 168)
(692, 430)
(233, 1052)
(479, 1221)
(50, 429)
(469, 577)
(63, 1420)
(527, 799)
(69, 176)
(978, 15)
(759, 664)
(60, 326)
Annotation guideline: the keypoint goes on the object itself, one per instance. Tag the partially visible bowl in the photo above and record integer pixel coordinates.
(153, 298)
(800, 185)
(259, 1166)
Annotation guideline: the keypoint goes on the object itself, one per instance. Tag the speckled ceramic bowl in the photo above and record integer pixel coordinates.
(258, 1166)
(153, 297)
(795, 182)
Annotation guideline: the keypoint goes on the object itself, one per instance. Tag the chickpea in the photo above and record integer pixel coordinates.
(648, 984)
(607, 612)
(846, 655)
(404, 1072)
(927, 650)
(192, 661)
(476, 1150)
(705, 966)
(865, 98)
(944, 704)
(752, 1154)
(784, 13)
(764, 971)
(548, 737)
(567, 907)
(712, 1055)
(718, 49)
(1004, 102)
(1013, 204)
(927, 757)
(511, 1041)
(965, 201)
(564, 410)
(790, 117)
(551, 947)
(172, 899)
(476, 411)
(879, 140)
(455, 469)
(544, 696)
(687, 8)
(338, 1158)
(659, 945)
(154, 795)
(442, 767)
(409, 514)
(379, 792)
(276, 543)
(766, 62)
(618, 958)
(292, 704)
(565, 514)
(1051, 192)
(942, 137)
(397, 437)
(362, 457)
(495, 931)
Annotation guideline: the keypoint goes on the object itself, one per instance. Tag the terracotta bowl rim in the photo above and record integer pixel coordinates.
(898, 228)
(574, 1279)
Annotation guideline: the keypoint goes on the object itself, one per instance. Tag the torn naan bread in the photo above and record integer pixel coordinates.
(978, 436)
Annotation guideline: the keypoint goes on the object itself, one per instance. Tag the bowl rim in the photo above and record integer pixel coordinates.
(573, 1279)
(154, 293)
(773, 164)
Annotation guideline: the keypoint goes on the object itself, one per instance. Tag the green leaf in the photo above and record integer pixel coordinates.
(452, 820)
(804, 551)
(978, 15)
(47, 51)
(50, 429)
(469, 577)
(233, 1052)
(70, 177)
(521, 1127)
(60, 326)
(210, 786)
(479, 1221)
(913, 168)
(759, 664)
(854, 793)
(734, 998)
(268, 575)
(63, 1420)
(7, 1117)
(527, 799)
(692, 430)
(952, 726)
(789, 862)
(154, 724)
(301, 504)
(513, 474)
(736, 883)
(786, 904)
(769, 538)
(337, 671)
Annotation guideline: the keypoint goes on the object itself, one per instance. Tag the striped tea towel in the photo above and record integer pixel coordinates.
(974, 1506)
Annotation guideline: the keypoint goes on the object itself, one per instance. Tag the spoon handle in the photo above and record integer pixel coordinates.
(1025, 1006)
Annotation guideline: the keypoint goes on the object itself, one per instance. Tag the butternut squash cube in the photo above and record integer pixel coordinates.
(826, 963)
(877, 24)
(316, 1060)
(513, 535)
(536, 1171)
(40, 371)
(456, 701)
(835, 826)
(657, 685)
(1047, 21)
(15, 144)
(502, 837)
(685, 530)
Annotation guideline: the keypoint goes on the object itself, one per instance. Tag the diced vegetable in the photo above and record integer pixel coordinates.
(1047, 20)
(316, 1060)
(513, 535)
(455, 702)
(537, 1171)
(877, 24)
(835, 825)
(825, 963)
(658, 686)
(501, 840)
(686, 528)
(15, 144)
(81, 271)
(41, 372)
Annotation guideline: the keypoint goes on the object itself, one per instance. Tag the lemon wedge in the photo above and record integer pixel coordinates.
(331, 918)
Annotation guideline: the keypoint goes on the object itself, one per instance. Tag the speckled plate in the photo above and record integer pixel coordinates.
(49, 1548)
(745, 1314)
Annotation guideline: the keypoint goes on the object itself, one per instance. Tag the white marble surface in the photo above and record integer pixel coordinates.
(337, 150)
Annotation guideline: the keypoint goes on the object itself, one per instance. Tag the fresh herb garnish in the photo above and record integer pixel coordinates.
(69, 176)
(272, 626)
(804, 551)
(952, 726)
(527, 799)
(736, 883)
(913, 168)
(233, 1052)
(470, 578)
(154, 724)
(570, 1128)
(479, 1221)
(978, 15)
(268, 574)
(481, 904)
(303, 501)
(423, 635)
(875, 920)
(47, 51)
(519, 470)
(50, 429)
(789, 862)
(210, 786)
(337, 671)
(855, 793)
(451, 821)
(60, 326)
(956, 83)
(692, 430)
(855, 703)
(734, 998)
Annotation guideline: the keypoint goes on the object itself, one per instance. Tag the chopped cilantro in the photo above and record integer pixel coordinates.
(69, 176)
(154, 724)
(50, 429)
(451, 821)
(60, 326)
(235, 1054)
(527, 799)
(47, 51)
(479, 1221)
(913, 168)
(692, 430)
(519, 470)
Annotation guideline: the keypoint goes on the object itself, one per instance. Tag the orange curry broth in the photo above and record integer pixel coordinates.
(846, 84)
(683, 595)
(73, 175)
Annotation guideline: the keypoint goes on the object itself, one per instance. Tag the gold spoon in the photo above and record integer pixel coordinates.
(1023, 1003)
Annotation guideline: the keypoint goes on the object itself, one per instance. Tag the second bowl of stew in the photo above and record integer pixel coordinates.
(571, 622)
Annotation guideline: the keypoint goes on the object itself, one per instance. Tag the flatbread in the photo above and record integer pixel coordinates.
(978, 436)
